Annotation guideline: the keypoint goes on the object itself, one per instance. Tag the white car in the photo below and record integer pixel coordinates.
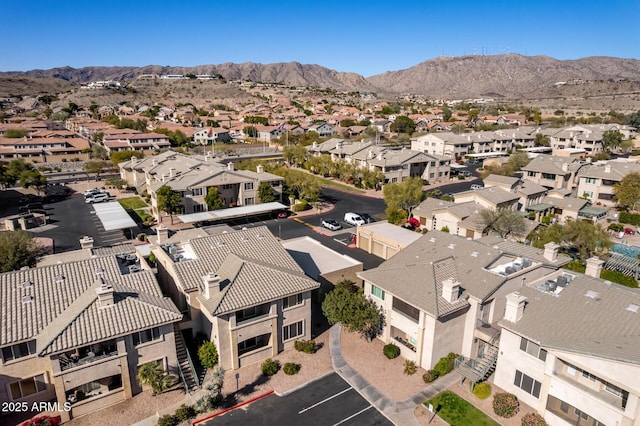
(476, 186)
(98, 198)
(331, 224)
(354, 219)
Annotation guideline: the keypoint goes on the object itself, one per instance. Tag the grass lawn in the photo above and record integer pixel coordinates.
(139, 215)
(458, 412)
(327, 182)
(132, 203)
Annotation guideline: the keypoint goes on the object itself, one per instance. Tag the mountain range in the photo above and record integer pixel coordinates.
(495, 76)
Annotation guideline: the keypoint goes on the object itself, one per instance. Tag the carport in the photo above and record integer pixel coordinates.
(232, 213)
(113, 216)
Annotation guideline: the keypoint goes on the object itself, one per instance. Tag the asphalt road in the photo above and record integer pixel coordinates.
(328, 401)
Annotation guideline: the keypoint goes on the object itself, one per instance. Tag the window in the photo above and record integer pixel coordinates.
(527, 384)
(408, 310)
(533, 349)
(589, 376)
(197, 192)
(291, 301)
(531, 174)
(28, 386)
(548, 176)
(249, 201)
(197, 208)
(591, 180)
(377, 292)
(248, 185)
(227, 186)
(146, 336)
(292, 330)
(18, 351)
(247, 345)
(246, 314)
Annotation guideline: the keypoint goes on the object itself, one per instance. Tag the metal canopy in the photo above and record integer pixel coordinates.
(624, 264)
(539, 207)
(113, 216)
(231, 213)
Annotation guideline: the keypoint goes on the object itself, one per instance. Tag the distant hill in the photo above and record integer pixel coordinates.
(507, 77)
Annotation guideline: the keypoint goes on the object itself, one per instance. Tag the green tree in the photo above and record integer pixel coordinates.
(403, 124)
(15, 133)
(250, 131)
(627, 191)
(208, 354)
(94, 166)
(122, 156)
(541, 140)
(152, 374)
(213, 199)
(354, 311)
(612, 139)
(546, 234)
(256, 119)
(347, 122)
(295, 154)
(17, 249)
(405, 195)
(446, 113)
(168, 201)
(265, 193)
(33, 179)
(99, 152)
(15, 169)
(502, 221)
(586, 238)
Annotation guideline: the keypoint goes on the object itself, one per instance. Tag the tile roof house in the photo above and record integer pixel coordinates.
(552, 172)
(242, 289)
(596, 181)
(77, 331)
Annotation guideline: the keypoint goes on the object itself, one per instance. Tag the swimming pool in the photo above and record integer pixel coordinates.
(629, 251)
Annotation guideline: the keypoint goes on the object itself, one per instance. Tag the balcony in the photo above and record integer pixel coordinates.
(485, 331)
(615, 401)
(87, 355)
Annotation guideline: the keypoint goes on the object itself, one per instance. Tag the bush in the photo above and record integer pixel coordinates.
(208, 354)
(505, 404)
(306, 346)
(270, 367)
(546, 219)
(618, 277)
(301, 206)
(445, 364)
(533, 419)
(391, 351)
(410, 368)
(482, 390)
(617, 227)
(630, 218)
(185, 412)
(168, 420)
(575, 266)
(290, 368)
(445, 229)
(429, 376)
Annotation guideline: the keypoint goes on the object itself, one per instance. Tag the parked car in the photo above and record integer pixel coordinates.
(331, 224)
(283, 214)
(629, 231)
(91, 192)
(476, 186)
(98, 198)
(354, 219)
(367, 218)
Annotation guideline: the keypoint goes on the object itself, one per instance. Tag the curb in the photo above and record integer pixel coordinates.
(297, 388)
(226, 410)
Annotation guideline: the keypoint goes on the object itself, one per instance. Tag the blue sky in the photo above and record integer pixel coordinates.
(363, 37)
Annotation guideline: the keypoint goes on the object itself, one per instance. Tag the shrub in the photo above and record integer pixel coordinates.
(533, 419)
(141, 237)
(208, 354)
(168, 420)
(618, 277)
(630, 218)
(617, 227)
(445, 364)
(185, 412)
(306, 346)
(391, 351)
(482, 390)
(445, 229)
(505, 404)
(575, 266)
(270, 367)
(429, 376)
(45, 420)
(301, 206)
(290, 368)
(546, 219)
(410, 368)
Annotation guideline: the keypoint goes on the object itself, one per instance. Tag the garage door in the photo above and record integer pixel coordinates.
(363, 242)
(391, 251)
(378, 249)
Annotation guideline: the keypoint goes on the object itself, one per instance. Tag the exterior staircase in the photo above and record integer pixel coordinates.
(478, 369)
(186, 369)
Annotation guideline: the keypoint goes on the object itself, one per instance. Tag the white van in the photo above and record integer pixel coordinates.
(354, 219)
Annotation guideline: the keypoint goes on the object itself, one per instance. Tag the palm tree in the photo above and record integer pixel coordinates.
(152, 374)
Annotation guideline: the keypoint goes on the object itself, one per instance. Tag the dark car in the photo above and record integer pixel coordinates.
(367, 218)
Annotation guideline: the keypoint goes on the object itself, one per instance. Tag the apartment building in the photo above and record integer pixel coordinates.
(210, 135)
(76, 331)
(596, 181)
(552, 172)
(136, 142)
(241, 289)
(445, 144)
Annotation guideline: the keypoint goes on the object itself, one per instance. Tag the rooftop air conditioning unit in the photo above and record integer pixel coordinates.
(562, 281)
(526, 263)
(509, 270)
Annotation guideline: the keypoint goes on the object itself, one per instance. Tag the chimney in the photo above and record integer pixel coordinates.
(172, 172)
(86, 242)
(105, 293)
(315, 145)
(163, 234)
(260, 168)
(607, 168)
(551, 251)
(450, 290)
(211, 285)
(515, 307)
(230, 166)
(134, 161)
(594, 267)
(565, 167)
(380, 155)
(163, 177)
(153, 162)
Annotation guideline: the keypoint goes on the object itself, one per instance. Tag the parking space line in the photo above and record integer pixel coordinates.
(324, 400)
(352, 416)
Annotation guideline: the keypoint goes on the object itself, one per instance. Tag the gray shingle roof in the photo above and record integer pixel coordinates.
(574, 322)
(617, 170)
(63, 310)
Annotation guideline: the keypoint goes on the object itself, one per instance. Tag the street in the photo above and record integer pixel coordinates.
(328, 401)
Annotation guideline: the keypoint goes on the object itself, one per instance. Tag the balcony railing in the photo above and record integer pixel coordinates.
(253, 318)
(404, 342)
(72, 361)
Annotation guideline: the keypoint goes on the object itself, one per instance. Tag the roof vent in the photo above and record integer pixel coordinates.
(633, 308)
(24, 268)
(432, 240)
(59, 278)
(26, 284)
(593, 295)
(220, 243)
(474, 254)
(27, 299)
(99, 270)
(260, 237)
(244, 239)
(451, 246)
